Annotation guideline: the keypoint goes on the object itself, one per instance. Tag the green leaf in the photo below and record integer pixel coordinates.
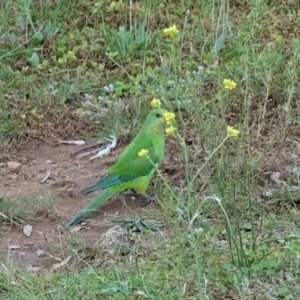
(50, 30)
(34, 59)
(219, 43)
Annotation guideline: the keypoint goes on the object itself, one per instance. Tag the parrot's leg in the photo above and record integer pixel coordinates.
(144, 198)
(131, 193)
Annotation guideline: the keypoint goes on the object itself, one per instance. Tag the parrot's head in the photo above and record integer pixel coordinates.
(158, 120)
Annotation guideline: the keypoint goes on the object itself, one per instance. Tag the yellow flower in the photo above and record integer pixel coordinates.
(143, 153)
(229, 84)
(232, 132)
(170, 130)
(169, 117)
(171, 31)
(155, 103)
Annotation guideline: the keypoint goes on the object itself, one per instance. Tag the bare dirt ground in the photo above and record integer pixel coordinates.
(68, 176)
(23, 187)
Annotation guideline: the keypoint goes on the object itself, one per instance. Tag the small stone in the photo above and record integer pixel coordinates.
(40, 253)
(27, 230)
(106, 89)
(113, 241)
(14, 166)
(275, 177)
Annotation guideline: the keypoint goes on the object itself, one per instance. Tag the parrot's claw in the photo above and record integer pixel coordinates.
(145, 199)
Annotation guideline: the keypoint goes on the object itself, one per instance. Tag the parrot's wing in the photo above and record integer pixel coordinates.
(128, 167)
(108, 181)
(131, 164)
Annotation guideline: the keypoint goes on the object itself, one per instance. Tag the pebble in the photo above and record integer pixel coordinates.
(14, 166)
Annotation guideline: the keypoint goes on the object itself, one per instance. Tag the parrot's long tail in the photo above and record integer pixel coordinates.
(92, 206)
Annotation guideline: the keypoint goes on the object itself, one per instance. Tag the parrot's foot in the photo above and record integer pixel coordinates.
(144, 199)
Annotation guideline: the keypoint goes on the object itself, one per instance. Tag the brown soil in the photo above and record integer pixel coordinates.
(68, 175)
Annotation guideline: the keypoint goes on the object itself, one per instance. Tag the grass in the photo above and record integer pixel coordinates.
(25, 207)
(232, 232)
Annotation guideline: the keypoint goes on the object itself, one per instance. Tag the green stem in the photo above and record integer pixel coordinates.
(208, 159)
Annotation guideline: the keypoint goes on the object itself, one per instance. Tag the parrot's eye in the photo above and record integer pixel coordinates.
(158, 115)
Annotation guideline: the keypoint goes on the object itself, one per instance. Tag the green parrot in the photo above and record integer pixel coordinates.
(135, 166)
